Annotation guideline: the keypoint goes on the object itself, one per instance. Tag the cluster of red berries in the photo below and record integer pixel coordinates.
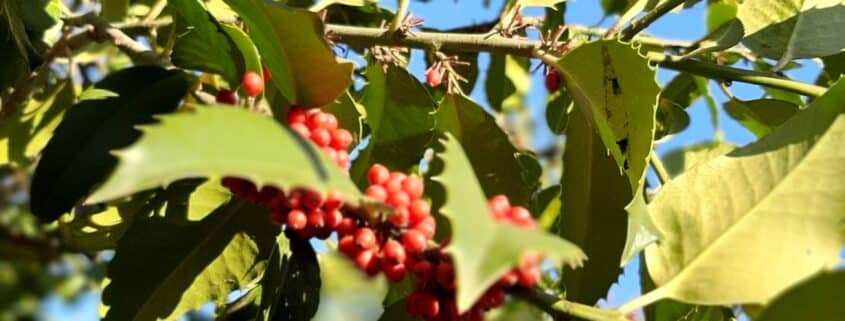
(391, 243)
(322, 129)
(252, 83)
(434, 298)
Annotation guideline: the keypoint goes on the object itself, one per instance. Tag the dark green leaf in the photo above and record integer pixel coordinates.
(834, 66)
(350, 114)
(671, 119)
(488, 148)
(761, 116)
(291, 289)
(725, 36)
(593, 197)
(162, 270)
(262, 151)
(482, 249)
(818, 298)
(557, 111)
(399, 114)
(115, 10)
(202, 44)
(507, 81)
(304, 68)
(77, 157)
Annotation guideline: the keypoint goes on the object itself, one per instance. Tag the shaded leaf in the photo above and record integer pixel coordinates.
(593, 196)
(399, 117)
(558, 107)
(115, 10)
(350, 115)
(292, 285)
(791, 29)
(817, 298)
(202, 44)
(670, 119)
(482, 249)
(507, 82)
(263, 152)
(788, 216)
(304, 68)
(725, 36)
(77, 156)
(834, 66)
(682, 159)
(490, 152)
(760, 116)
(194, 263)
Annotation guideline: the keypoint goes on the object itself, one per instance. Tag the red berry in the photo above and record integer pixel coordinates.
(341, 138)
(334, 200)
(394, 272)
(346, 245)
(529, 277)
(418, 211)
(378, 174)
(297, 220)
(434, 76)
(393, 252)
(493, 298)
(296, 115)
(366, 259)
(414, 241)
(376, 192)
(227, 97)
(475, 314)
(445, 275)
(279, 202)
(347, 226)
(321, 136)
(311, 199)
(277, 218)
(552, 80)
(399, 218)
(365, 238)
(315, 218)
(393, 186)
(331, 122)
(413, 186)
(323, 233)
(498, 206)
(342, 158)
(412, 304)
(510, 278)
(253, 84)
(330, 153)
(423, 271)
(428, 306)
(317, 120)
(331, 219)
(266, 73)
(301, 129)
(519, 215)
(399, 200)
(427, 227)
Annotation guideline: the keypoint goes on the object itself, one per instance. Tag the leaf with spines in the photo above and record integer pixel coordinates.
(304, 68)
(482, 249)
(262, 151)
(162, 270)
(399, 115)
(615, 88)
(723, 231)
(77, 156)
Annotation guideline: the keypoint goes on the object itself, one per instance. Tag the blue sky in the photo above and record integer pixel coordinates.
(687, 25)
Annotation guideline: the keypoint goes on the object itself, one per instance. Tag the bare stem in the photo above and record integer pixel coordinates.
(563, 310)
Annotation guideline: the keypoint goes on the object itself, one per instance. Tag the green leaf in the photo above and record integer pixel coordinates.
(326, 3)
(725, 36)
(77, 156)
(719, 13)
(618, 94)
(262, 151)
(777, 202)
(670, 119)
(291, 285)
(508, 82)
(761, 116)
(817, 298)
(834, 66)
(350, 115)
(791, 29)
(490, 152)
(162, 270)
(251, 58)
(482, 249)
(26, 133)
(304, 68)
(202, 44)
(399, 114)
(617, 7)
(347, 293)
(682, 159)
(594, 196)
(557, 111)
(115, 10)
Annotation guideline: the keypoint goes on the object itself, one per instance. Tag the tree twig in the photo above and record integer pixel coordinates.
(657, 164)
(564, 310)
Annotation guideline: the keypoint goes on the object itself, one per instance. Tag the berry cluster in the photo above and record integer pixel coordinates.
(391, 243)
(321, 128)
(434, 298)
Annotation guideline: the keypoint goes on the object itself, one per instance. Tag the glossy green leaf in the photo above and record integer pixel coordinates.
(594, 195)
(618, 95)
(791, 29)
(399, 115)
(508, 82)
(725, 36)
(304, 68)
(202, 44)
(263, 152)
(482, 249)
(682, 159)
(817, 298)
(777, 202)
(761, 116)
(162, 270)
(490, 152)
(77, 156)
(557, 111)
(291, 285)
(251, 58)
(26, 133)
